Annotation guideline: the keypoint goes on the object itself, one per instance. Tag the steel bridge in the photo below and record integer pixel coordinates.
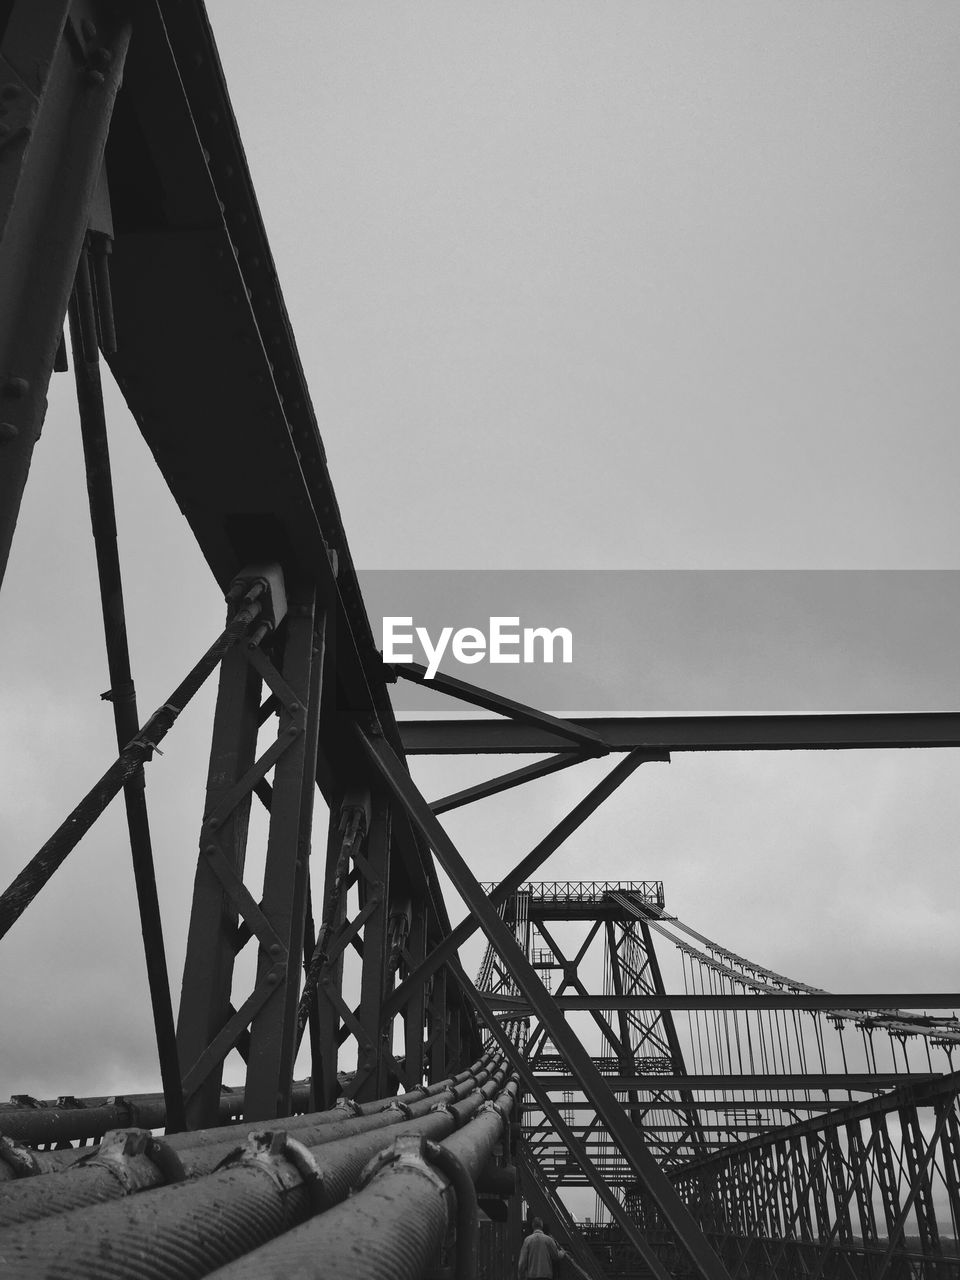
(730, 1120)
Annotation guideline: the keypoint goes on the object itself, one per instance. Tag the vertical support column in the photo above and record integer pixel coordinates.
(313, 1020)
(886, 1177)
(839, 1191)
(456, 1041)
(211, 940)
(859, 1173)
(914, 1150)
(437, 1018)
(414, 1013)
(950, 1157)
(374, 1059)
(273, 1033)
(122, 694)
(781, 1198)
(816, 1158)
(752, 1171)
(324, 1088)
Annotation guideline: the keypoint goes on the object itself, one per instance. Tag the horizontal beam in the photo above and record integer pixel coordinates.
(722, 1108)
(860, 1082)
(544, 1134)
(886, 1002)
(719, 1107)
(927, 1094)
(690, 733)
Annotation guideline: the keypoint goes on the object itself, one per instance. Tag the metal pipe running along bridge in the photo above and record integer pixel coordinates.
(728, 1119)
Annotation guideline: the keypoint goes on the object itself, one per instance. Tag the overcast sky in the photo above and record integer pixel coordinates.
(576, 285)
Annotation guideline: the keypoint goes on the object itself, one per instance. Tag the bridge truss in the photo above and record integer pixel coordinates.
(731, 1122)
(803, 1135)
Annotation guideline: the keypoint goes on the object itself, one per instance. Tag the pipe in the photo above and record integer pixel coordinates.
(164, 1233)
(94, 1178)
(93, 1117)
(392, 1228)
(468, 1224)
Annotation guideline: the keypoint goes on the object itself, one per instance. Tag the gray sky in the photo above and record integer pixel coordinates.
(576, 285)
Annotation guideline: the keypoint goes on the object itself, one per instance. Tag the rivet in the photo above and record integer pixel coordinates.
(8, 432)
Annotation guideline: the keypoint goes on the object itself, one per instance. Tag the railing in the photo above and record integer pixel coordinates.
(588, 891)
(653, 1066)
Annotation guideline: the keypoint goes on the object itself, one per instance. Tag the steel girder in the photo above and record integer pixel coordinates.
(840, 1195)
(828, 1002)
(209, 1026)
(690, 733)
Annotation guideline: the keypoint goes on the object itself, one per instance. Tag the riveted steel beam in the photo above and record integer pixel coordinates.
(690, 733)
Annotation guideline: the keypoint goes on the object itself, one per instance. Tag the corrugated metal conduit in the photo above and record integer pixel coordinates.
(393, 1226)
(189, 1228)
(22, 1162)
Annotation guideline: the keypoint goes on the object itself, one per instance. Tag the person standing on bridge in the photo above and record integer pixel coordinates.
(538, 1254)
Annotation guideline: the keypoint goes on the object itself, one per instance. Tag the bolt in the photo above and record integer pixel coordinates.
(209, 850)
(276, 949)
(273, 978)
(16, 388)
(8, 432)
